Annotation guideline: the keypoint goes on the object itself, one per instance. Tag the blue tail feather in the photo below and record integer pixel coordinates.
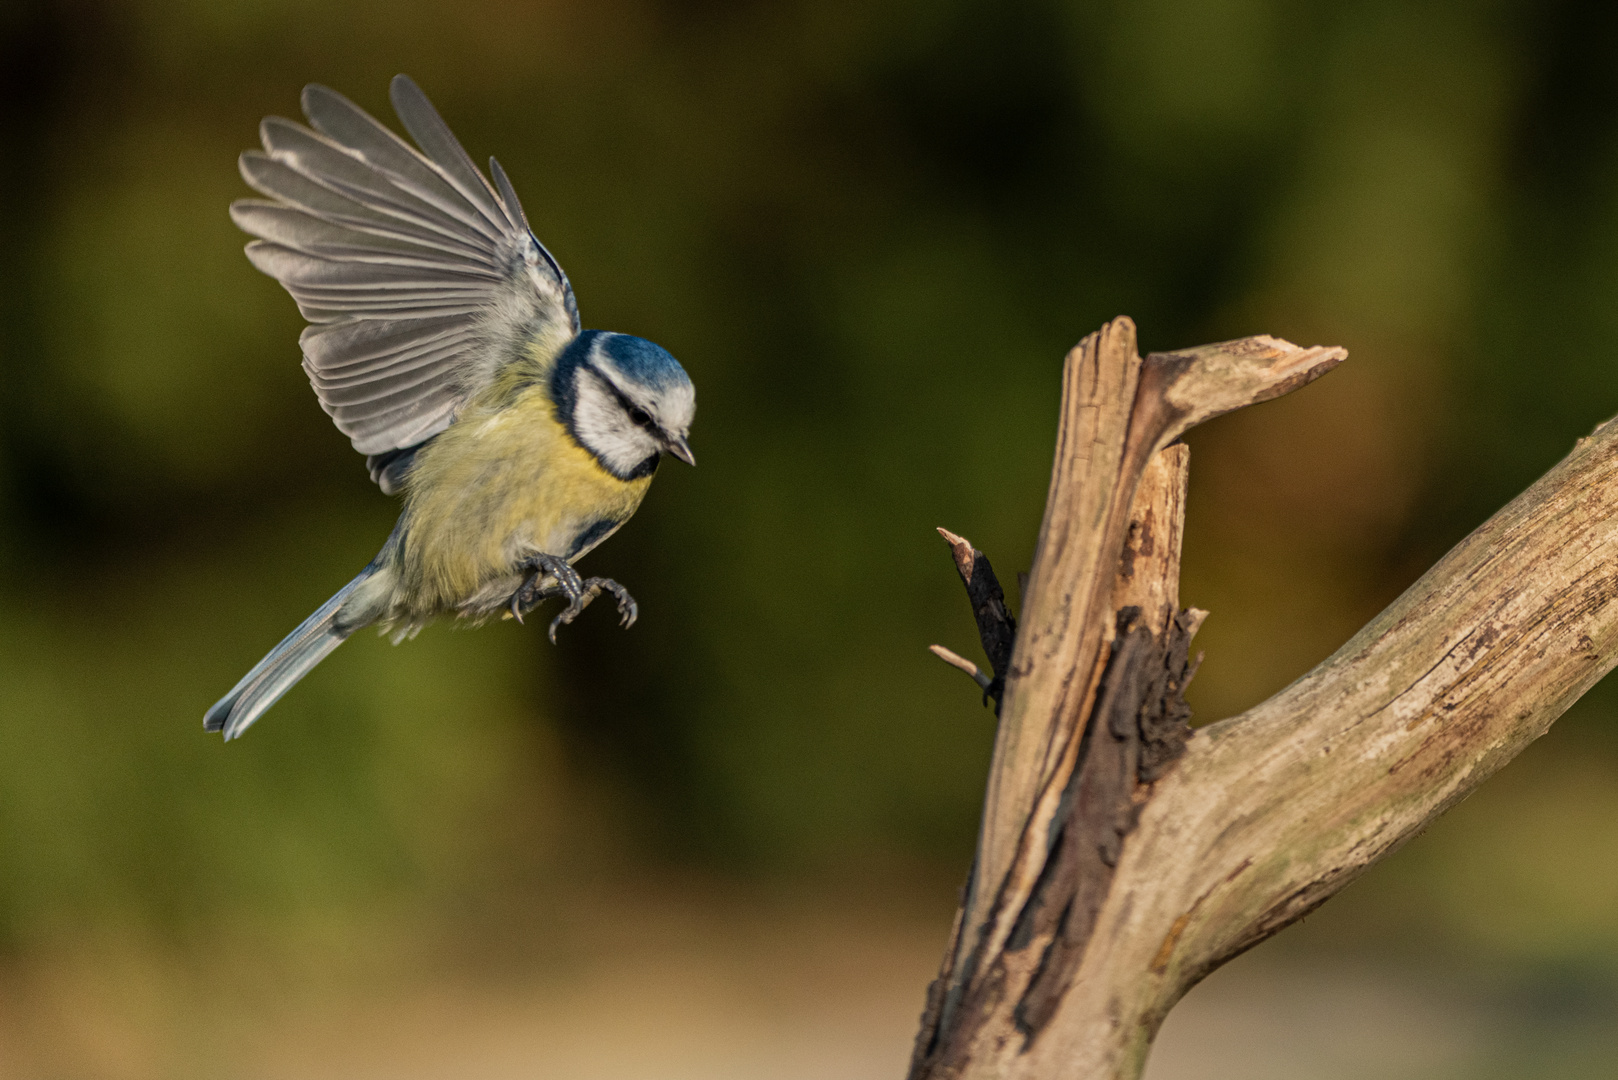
(288, 662)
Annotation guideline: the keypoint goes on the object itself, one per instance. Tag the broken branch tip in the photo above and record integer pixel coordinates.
(961, 663)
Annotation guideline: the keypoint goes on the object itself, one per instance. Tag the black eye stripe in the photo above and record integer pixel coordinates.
(636, 414)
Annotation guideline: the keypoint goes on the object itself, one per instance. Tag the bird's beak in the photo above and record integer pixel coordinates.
(678, 447)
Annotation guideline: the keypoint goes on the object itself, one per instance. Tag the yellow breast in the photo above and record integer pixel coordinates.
(504, 482)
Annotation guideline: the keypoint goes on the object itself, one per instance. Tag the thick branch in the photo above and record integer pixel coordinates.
(1118, 412)
(1113, 421)
(1275, 810)
(1142, 730)
(1139, 729)
(1069, 950)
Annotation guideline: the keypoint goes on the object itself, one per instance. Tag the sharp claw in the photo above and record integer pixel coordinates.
(578, 591)
(628, 611)
(567, 615)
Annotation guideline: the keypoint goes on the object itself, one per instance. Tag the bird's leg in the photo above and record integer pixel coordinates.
(579, 592)
(533, 589)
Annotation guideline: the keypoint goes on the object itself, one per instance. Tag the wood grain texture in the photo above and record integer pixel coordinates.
(1106, 884)
(1141, 728)
(1148, 574)
(1271, 812)
(1118, 411)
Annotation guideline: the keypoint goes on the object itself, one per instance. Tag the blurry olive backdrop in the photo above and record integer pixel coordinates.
(870, 231)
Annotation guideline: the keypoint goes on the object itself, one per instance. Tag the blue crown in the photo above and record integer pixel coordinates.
(643, 361)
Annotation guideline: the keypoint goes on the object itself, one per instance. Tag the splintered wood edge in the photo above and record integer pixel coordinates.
(1117, 411)
(965, 554)
(1094, 491)
(1147, 580)
(1212, 380)
(1100, 376)
(1157, 517)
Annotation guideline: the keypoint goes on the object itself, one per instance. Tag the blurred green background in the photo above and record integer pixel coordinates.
(870, 232)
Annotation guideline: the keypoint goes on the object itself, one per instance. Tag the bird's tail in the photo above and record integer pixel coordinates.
(288, 662)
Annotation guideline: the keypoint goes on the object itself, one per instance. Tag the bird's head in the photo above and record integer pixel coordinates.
(625, 400)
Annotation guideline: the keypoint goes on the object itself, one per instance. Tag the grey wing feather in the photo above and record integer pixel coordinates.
(421, 279)
(278, 180)
(440, 144)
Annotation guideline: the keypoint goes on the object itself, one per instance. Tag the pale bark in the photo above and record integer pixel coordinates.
(1110, 877)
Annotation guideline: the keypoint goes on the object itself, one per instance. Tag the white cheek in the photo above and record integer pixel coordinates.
(605, 429)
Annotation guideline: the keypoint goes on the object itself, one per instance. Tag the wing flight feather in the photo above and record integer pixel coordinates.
(418, 276)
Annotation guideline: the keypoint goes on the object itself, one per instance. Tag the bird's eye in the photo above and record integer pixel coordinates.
(640, 417)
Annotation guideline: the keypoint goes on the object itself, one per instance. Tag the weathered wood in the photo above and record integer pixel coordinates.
(1148, 575)
(1275, 810)
(1140, 728)
(1118, 411)
(1130, 874)
(1146, 730)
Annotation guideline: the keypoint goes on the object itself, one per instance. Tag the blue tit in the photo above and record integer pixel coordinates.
(444, 341)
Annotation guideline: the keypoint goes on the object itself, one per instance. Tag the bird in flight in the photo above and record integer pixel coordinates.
(444, 341)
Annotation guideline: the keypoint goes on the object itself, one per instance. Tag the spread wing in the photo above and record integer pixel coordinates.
(419, 278)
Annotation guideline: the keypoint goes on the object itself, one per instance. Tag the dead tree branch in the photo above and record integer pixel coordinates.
(996, 627)
(1118, 863)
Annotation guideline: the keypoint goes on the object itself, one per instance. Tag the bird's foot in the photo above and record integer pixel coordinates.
(628, 610)
(578, 591)
(533, 589)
